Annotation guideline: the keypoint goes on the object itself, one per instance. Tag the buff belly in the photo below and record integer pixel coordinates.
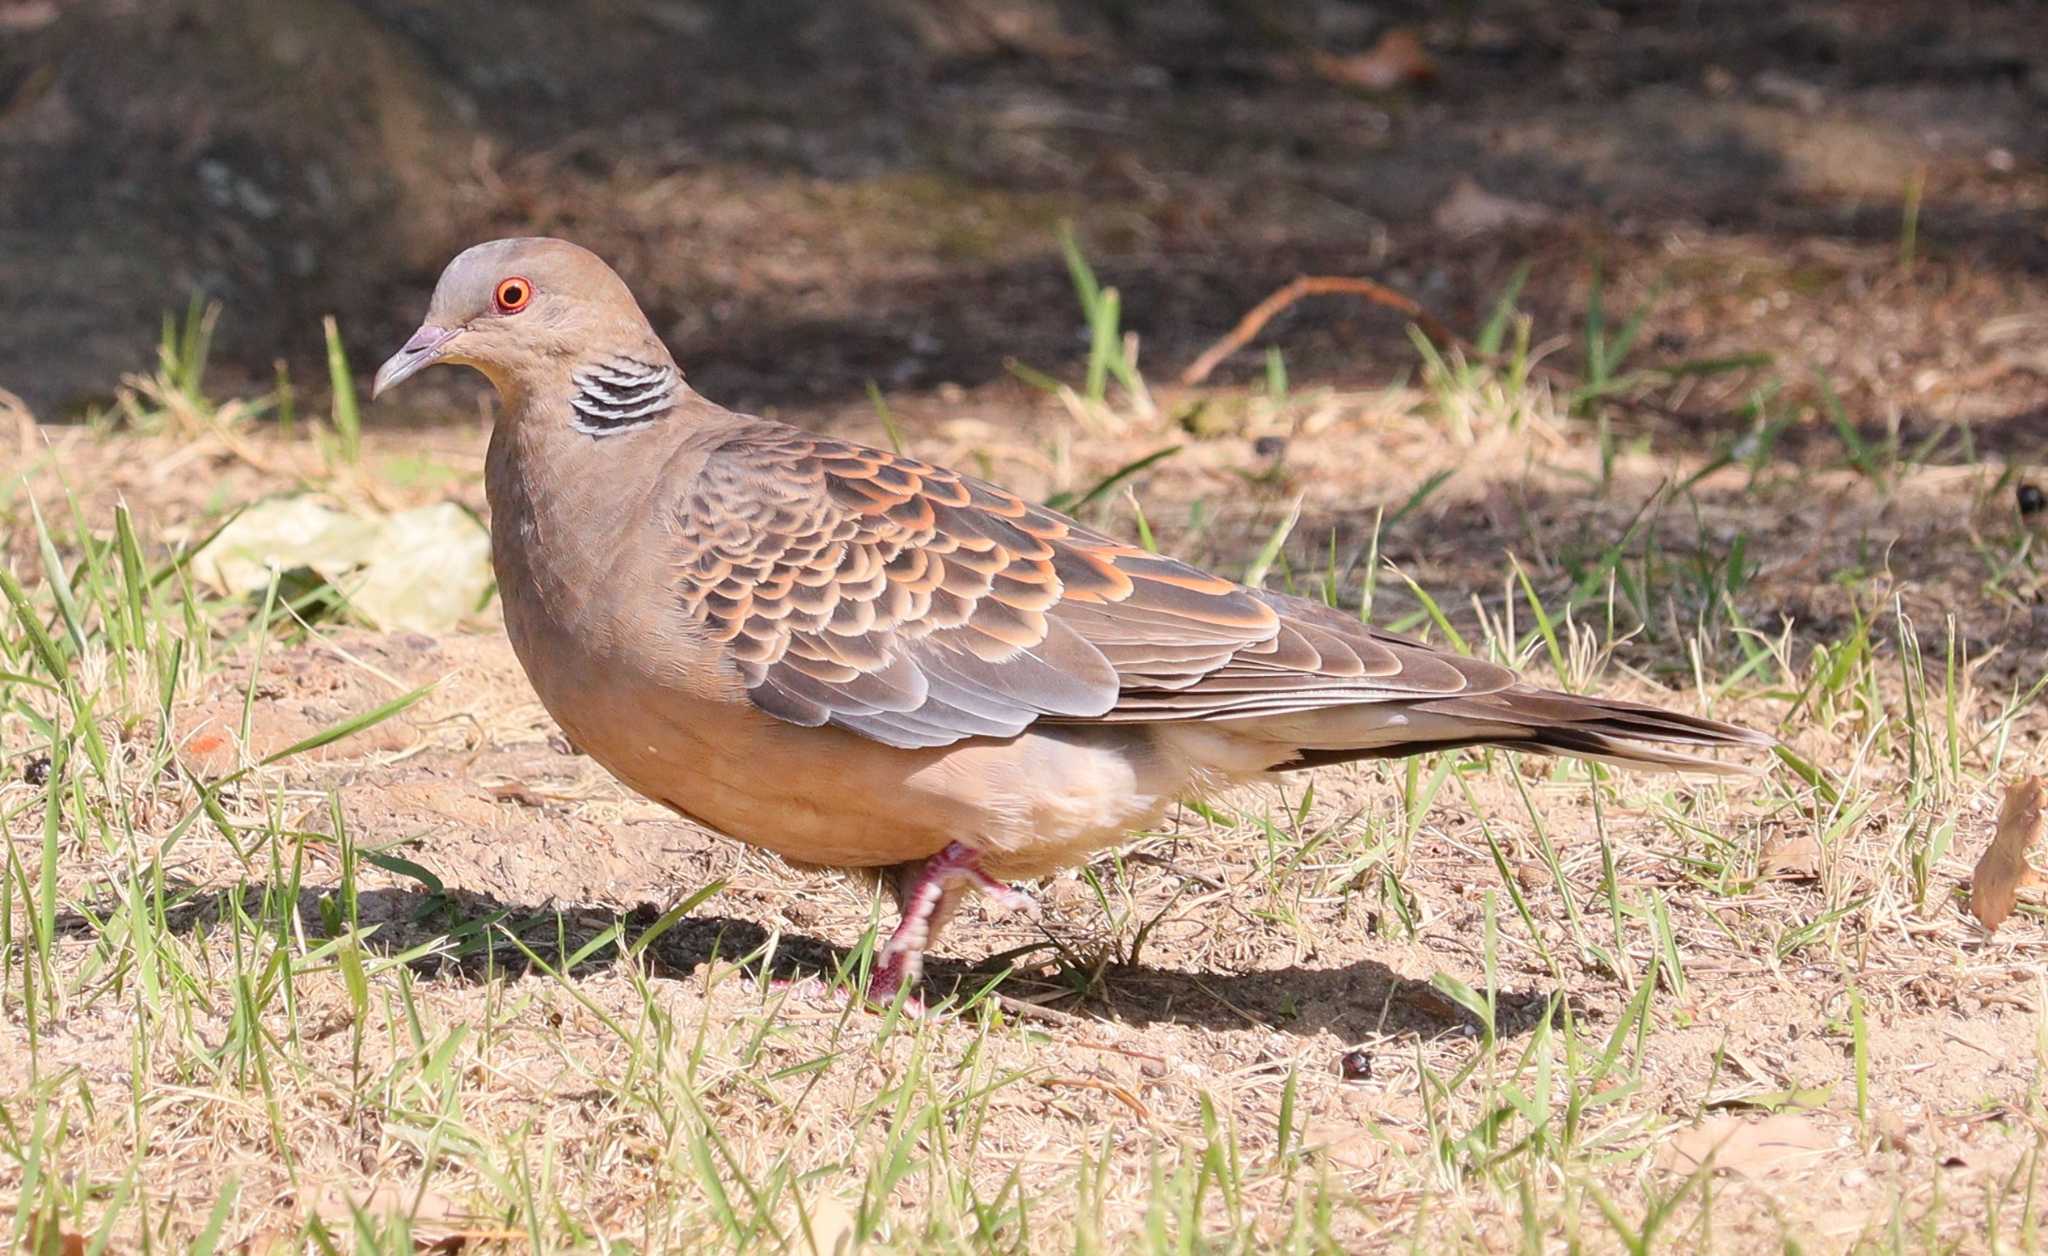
(1034, 803)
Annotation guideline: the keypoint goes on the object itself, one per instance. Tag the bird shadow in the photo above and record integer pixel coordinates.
(474, 938)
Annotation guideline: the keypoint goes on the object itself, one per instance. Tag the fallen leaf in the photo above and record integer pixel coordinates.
(420, 570)
(2003, 871)
(285, 532)
(1430, 1001)
(432, 568)
(1396, 58)
(1795, 858)
(1471, 210)
(518, 792)
(1748, 1148)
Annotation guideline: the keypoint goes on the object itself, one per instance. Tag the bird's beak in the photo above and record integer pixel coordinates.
(423, 350)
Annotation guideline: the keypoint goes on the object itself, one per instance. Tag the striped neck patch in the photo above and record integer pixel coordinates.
(620, 393)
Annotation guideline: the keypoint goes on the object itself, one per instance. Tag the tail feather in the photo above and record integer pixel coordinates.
(1549, 721)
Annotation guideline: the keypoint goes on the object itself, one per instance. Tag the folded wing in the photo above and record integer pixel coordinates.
(917, 606)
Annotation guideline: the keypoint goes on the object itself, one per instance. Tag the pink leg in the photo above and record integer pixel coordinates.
(927, 897)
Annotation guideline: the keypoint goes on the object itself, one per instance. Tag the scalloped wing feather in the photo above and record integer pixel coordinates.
(918, 606)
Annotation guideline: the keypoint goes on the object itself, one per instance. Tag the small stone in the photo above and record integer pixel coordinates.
(1356, 1066)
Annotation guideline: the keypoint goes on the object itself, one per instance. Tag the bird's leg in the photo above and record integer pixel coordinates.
(927, 894)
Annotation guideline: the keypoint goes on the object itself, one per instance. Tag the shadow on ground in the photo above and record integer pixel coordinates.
(469, 937)
(810, 197)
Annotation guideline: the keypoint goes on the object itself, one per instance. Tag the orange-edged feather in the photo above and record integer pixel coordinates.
(917, 606)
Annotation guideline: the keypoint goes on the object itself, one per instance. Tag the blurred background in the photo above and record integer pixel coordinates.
(812, 196)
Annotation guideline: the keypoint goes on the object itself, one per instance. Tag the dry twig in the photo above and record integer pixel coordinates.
(1313, 286)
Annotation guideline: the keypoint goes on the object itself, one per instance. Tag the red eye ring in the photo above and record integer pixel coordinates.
(513, 294)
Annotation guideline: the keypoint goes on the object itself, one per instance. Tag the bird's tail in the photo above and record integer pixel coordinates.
(1549, 721)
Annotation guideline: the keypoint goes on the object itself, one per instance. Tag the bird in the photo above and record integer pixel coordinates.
(858, 659)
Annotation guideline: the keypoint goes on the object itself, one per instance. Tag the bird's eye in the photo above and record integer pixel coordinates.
(512, 295)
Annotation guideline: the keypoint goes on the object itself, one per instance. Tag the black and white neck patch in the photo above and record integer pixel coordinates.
(620, 393)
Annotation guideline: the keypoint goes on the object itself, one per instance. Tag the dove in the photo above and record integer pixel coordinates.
(857, 659)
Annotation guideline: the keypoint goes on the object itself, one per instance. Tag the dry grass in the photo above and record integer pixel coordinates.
(441, 982)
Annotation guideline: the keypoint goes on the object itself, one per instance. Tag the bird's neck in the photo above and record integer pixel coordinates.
(615, 392)
(596, 392)
(582, 442)
(563, 500)
(576, 430)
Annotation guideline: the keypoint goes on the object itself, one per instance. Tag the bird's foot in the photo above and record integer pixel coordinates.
(924, 899)
(888, 980)
(1002, 894)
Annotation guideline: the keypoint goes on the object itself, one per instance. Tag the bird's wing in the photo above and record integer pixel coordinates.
(918, 606)
(1316, 658)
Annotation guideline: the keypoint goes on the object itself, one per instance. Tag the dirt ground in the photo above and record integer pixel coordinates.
(1853, 198)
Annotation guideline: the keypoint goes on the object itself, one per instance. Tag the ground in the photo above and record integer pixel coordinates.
(1760, 450)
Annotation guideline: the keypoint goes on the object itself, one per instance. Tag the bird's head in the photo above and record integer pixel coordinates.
(524, 311)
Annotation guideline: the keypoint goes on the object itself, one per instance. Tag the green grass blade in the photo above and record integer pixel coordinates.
(348, 727)
(1255, 575)
(348, 423)
(1071, 502)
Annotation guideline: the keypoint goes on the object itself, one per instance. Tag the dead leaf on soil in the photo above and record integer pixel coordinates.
(2003, 872)
(1395, 59)
(516, 791)
(422, 570)
(1751, 1149)
(1471, 210)
(1794, 858)
(1429, 1001)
